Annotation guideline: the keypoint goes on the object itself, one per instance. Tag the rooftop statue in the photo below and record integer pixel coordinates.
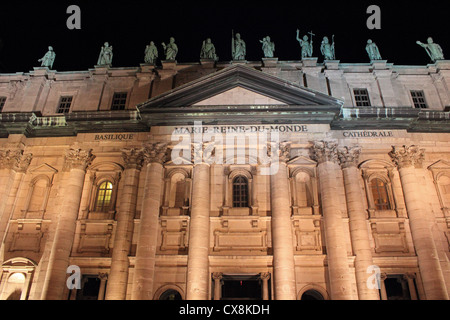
(307, 47)
(433, 49)
(327, 49)
(48, 59)
(171, 49)
(238, 48)
(151, 53)
(106, 55)
(208, 50)
(267, 47)
(372, 50)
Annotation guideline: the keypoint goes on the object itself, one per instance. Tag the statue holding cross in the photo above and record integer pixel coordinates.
(307, 47)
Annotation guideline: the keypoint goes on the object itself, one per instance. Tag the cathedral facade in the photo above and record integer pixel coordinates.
(287, 180)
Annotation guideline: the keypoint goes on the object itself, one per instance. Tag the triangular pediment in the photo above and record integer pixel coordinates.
(246, 84)
(43, 168)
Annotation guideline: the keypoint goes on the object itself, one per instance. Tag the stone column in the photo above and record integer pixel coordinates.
(144, 270)
(217, 277)
(76, 162)
(16, 163)
(198, 256)
(282, 240)
(349, 158)
(406, 159)
(325, 153)
(412, 288)
(101, 292)
(265, 276)
(383, 292)
(118, 275)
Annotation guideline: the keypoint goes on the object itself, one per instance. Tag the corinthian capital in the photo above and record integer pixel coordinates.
(326, 150)
(203, 152)
(349, 156)
(133, 158)
(77, 158)
(281, 150)
(15, 159)
(155, 152)
(407, 156)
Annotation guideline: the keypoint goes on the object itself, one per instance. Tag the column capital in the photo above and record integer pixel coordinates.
(282, 149)
(103, 276)
(407, 156)
(349, 156)
(325, 151)
(15, 159)
(203, 152)
(264, 275)
(155, 152)
(77, 158)
(217, 276)
(133, 158)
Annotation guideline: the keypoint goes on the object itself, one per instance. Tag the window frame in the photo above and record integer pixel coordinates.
(378, 206)
(123, 101)
(240, 197)
(359, 94)
(418, 104)
(64, 110)
(104, 209)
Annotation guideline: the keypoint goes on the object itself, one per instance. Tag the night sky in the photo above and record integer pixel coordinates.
(27, 28)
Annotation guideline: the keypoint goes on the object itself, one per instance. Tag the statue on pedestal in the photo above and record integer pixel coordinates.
(48, 59)
(267, 47)
(433, 49)
(208, 51)
(327, 49)
(238, 48)
(106, 55)
(307, 47)
(372, 50)
(151, 53)
(171, 49)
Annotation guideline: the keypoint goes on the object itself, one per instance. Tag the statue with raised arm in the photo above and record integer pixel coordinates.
(372, 50)
(433, 49)
(307, 47)
(267, 47)
(106, 55)
(327, 49)
(171, 49)
(151, 53)
(48, 59)
(208, 50)
(238, 48)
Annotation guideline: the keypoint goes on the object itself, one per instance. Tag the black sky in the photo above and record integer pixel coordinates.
(27, 28)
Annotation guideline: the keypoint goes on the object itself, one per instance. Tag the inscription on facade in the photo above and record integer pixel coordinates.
(367, 134)
(241, 129)
(114, 137)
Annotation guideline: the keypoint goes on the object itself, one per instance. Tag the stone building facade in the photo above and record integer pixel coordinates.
(252, 180)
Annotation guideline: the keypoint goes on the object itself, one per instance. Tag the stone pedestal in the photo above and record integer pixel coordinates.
(341, 286)
(118, 277)
(332, 64)
(406, 159)
(349, 158)
(147, 67)
(310, 62)
(144, 270)
(198, 264)
(169, 64)
(207, 63)
(270, 62)
(76, 162)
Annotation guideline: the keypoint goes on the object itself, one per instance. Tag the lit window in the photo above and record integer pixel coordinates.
(418, 98)
(2, 103)
(380, 195)
(64, 104)
(240, 192)
(119, 101)
(361, 97)
(104, 196)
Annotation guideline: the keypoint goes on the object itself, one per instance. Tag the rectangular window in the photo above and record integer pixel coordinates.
(361, 97)
(119, 101)
(418, 98)
(2, 103)
(64, 104)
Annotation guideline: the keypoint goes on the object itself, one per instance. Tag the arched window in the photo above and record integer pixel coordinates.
(380, 194)
(312, 295)
(240, 192)
(104, 197)
(170, 295)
